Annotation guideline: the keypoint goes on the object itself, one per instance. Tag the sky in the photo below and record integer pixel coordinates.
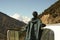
(24, 7)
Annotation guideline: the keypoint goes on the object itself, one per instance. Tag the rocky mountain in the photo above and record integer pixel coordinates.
(6, 23)
(52, 14)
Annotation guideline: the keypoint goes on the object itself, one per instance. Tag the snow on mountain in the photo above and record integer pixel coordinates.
(21, 18)
(56, 29)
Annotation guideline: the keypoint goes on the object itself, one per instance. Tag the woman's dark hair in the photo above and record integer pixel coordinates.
(35, 14)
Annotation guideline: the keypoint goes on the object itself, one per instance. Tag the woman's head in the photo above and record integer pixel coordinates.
(35, 14)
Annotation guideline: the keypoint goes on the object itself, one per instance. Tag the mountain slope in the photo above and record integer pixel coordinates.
(6, 23)
(52, 14)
